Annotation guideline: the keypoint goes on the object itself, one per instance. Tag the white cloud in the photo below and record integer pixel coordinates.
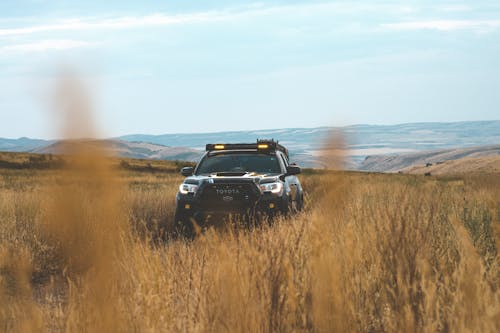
(45, 45)
(115, 23)
(162, 19)
(445, 25)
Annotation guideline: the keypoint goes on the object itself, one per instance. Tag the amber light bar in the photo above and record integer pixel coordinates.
(264, 145)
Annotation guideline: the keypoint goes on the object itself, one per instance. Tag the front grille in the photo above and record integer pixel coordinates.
(228, 196)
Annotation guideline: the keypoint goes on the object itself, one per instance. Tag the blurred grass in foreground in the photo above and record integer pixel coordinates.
(371, 253)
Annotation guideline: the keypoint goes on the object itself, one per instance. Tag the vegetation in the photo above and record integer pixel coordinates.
(29, 161)
(80, 251)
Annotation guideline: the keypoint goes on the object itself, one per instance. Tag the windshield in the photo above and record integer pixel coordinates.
(260, 163)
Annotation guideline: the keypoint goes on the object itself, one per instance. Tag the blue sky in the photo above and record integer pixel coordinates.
(202, 66)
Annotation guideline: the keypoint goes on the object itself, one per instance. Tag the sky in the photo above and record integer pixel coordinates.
(187, 66)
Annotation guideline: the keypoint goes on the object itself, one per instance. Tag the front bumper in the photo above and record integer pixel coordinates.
(189, 205)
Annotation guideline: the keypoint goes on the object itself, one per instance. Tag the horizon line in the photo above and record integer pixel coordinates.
(266, 129)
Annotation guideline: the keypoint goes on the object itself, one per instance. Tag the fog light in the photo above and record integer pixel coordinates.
(187, 206)
(271, 205)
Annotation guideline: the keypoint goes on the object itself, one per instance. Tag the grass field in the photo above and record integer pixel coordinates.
(80, 252)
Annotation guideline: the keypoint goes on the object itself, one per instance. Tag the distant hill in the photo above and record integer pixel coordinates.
(22, 144)
(488, 164)
(122, 148)
(362, 139)
(410, 161)
(306, 145)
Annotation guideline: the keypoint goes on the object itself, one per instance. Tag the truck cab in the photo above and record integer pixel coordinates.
(246, 179)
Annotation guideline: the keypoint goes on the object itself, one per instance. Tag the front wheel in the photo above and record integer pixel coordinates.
(299, 203)
(295, 205)
(183, 225)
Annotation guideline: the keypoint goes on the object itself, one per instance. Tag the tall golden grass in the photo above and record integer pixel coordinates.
(80, 252)
(370, 253)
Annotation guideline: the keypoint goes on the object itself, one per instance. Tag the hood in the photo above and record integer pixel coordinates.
(233, 177)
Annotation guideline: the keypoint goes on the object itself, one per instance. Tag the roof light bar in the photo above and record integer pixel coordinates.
(267, 145)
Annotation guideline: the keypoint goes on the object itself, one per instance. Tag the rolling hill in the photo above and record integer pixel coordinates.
(467, 165)
(122, 148)
(367, 147)
(436, 158)
(22, 144)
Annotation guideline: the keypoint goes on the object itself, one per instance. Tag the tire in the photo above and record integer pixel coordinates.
(295, 206)
(254, 219)
(300, 203)
(183, 225)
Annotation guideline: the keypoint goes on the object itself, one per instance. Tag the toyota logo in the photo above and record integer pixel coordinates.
(227, 198)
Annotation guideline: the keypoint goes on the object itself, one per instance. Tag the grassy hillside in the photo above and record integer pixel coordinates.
(79, 251)
(125, 149)
(489, 164)
(30, 161)
(404, 161)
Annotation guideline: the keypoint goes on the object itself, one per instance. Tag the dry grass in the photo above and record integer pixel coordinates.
(487, 164)
(371, 253)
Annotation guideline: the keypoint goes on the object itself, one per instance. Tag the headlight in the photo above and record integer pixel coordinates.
(188, 188)
(276, 188)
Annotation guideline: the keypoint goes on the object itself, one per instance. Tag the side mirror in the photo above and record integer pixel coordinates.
(187, 171)
(292, 170)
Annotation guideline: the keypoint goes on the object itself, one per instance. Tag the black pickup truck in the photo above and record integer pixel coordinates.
(246, 179)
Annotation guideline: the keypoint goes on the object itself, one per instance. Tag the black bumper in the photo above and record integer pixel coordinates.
(190, 206)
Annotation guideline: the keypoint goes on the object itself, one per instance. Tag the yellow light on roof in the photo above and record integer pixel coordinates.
(262, 146)
(219, 147)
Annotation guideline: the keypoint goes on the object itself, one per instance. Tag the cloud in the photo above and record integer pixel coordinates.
(163, 19)
(445, 25)
(45, 45)
(116, 23)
